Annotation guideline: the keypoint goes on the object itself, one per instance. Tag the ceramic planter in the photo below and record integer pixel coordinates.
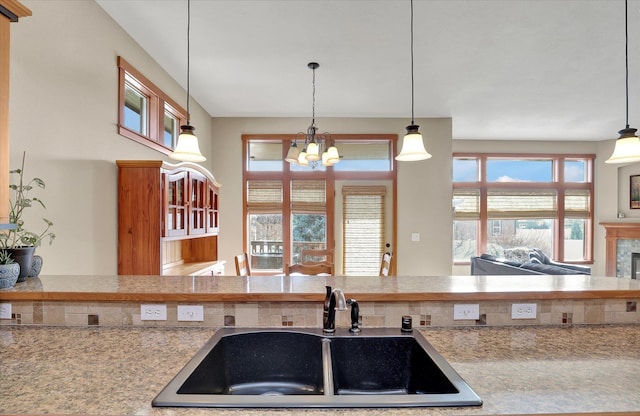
(24, 257)
(9, 275)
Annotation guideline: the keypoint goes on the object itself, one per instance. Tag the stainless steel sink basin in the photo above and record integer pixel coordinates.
(306, 368)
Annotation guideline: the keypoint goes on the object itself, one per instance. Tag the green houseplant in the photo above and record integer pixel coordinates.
(9, 270)
(19, 241)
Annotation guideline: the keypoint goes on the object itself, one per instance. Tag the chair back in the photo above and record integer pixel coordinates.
(315, 256)
(242, 265)
(309, 269)
(385, 264)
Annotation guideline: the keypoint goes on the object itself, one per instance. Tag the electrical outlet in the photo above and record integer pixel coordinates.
(153, 312)
(190, 313)
(5, 311)
(466, 311)
(523, 310)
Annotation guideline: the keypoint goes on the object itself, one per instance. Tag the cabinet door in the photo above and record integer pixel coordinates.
(175, 215)
(212, 209)
(197, 203)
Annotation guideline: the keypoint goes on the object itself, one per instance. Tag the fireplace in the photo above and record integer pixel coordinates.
(618, 260)
(635, 265)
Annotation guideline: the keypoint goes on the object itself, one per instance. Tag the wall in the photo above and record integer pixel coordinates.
(424, 192)
(63, 113)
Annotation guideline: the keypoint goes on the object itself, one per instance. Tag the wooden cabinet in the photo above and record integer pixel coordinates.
(167, 219)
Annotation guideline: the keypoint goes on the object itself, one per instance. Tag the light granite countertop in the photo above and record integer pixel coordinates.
(312, 288)
(516, 370)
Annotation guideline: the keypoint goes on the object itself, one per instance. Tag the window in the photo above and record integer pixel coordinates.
(506, 201)
(363, 229)
(289, 208)
(146, 114)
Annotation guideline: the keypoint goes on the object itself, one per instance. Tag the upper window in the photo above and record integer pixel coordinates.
(504, 202)
(146, 114)
(368, 153)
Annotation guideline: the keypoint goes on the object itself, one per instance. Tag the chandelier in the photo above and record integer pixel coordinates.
(317, 148)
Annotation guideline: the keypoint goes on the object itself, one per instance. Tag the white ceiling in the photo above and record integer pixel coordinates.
(502, 69)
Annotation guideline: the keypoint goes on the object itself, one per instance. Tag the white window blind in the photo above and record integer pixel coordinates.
(363, 229)
(514, 204)
(467, 204)
(576, 203)
(264, 195)
(308, 196)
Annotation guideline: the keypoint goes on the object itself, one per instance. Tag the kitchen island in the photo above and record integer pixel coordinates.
(77, 344)
(515, 370)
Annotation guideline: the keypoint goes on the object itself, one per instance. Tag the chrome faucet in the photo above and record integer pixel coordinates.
(333, 300)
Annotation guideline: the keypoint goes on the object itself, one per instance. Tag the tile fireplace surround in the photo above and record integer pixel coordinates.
(622, 239)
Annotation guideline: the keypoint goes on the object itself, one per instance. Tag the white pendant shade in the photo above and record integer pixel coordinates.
(187, 149)
(313, 152)
(302, 158)
(292, 154)
(627, 149)
(413, 147)
(333, 156)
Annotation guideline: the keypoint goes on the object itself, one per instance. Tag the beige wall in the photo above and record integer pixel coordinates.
(63, 112)
(424, 188)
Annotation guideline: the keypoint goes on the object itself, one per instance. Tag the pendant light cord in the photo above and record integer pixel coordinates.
(412, 121)
(313, 99)
(626, 61)
(188, 56)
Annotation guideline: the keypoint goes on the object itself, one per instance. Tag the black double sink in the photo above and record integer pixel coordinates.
(306, 368)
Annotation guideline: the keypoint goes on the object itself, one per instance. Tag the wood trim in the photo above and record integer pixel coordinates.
(16, 8)
(5, 58)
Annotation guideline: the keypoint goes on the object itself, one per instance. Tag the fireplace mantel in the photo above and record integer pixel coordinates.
(618, 231)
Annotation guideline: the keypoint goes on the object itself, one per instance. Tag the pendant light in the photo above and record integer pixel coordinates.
(627, 149)
(187, 148)
(317, 148)
(412, 145)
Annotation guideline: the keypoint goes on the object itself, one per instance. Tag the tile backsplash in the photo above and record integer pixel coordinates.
(309, 314)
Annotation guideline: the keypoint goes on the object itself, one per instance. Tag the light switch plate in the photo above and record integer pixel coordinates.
(415, 237)
(190, 313)
(5, 311)
(466, 311)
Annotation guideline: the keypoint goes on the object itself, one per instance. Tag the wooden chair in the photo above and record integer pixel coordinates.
(316, 256)
(385, 264)
(242, 265)
(309, 269)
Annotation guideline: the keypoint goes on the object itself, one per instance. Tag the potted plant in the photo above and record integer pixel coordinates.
(18, 240)
(9, 270)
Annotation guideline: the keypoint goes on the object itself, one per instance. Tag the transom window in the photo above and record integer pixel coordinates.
(537, 201)
(146, 114)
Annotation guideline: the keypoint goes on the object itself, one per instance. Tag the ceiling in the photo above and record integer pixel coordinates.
(502, 69)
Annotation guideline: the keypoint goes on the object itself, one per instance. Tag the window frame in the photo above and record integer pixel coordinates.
(158, 104)
(557, 184)
(329, 175)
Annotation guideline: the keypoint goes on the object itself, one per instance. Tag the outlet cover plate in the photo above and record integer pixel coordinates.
(466, 311)
(5, 311)
(190, 313)
(523, 310)
(153, 312)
